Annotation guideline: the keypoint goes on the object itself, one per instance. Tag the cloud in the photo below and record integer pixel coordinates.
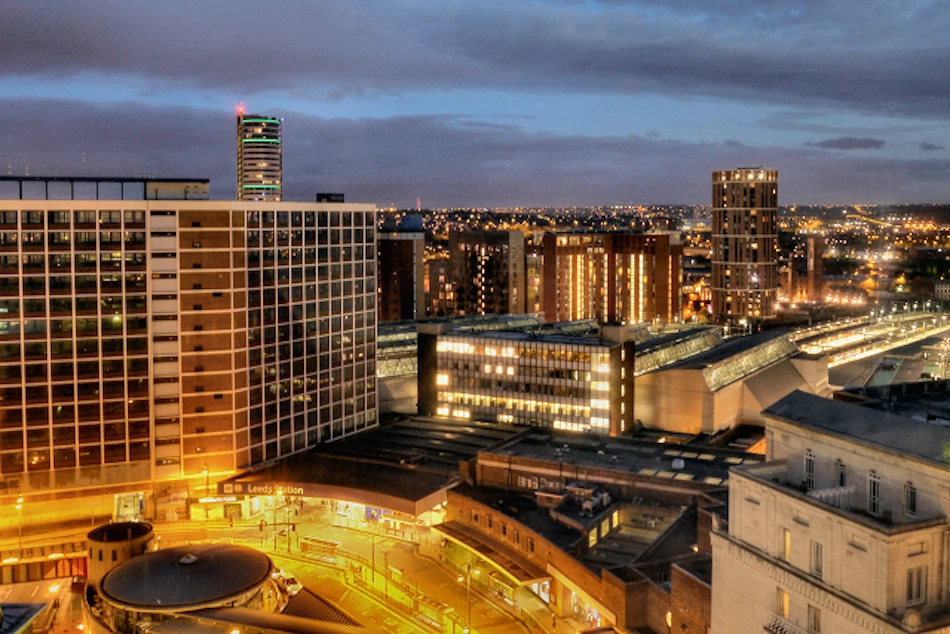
(929, 147)
(797, 53)
(848, 143)
(444, 159)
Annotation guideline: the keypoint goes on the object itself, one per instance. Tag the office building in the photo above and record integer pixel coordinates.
(566, 382)
(843, 529)
(147, 342)
(486, 270)
(744, 244)
(612, 277)
(259, 157)
(400, 257)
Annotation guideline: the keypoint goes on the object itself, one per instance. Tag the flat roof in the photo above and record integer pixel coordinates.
(100, 179)
(437, 445)
(645, 456)
(401, 488)
(539, 336)
(864, 425)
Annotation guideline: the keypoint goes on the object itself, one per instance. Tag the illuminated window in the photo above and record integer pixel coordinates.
(442, 379)
(781, 603)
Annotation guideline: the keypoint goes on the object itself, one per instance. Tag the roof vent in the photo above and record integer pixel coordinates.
(187, 559)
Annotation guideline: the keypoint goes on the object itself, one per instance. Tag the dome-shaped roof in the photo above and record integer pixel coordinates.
(186, 577)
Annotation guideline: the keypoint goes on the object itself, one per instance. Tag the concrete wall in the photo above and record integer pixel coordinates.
(672, 400)
(398, 394)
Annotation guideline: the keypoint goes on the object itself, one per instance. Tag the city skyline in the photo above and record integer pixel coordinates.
(531, 103)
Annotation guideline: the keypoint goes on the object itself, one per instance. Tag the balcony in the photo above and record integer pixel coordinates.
(838, 497)
(779, 625)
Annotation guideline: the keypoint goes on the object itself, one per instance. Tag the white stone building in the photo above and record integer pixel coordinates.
(842, 529)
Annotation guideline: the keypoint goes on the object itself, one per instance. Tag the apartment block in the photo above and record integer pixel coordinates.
(744, 244)
(401, 266)
(486, 271)
(612, 277)
(842, 529)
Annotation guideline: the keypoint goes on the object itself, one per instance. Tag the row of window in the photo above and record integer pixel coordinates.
(512, 535)
(311, 218)
(311, 237)
(873, 486)
(64, 218)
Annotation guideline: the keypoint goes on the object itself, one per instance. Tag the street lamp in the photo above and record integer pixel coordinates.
(468, 587)
(276, 495)
(373, 556)
(207, 510)
(19, 525)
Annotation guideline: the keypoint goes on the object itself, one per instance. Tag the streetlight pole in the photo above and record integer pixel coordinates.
(468, 589)
(278, 494)
(207, 510)
(19, 525)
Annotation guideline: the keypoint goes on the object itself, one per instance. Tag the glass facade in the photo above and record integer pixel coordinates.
(153, 340)
(556, 382)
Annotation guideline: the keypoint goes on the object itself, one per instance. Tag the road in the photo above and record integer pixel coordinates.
(419, 571)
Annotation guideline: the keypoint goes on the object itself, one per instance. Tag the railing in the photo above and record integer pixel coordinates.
(779, 625)
(839, 497)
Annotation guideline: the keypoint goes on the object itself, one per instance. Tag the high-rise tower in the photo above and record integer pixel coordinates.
(259, 167)
(744, 242)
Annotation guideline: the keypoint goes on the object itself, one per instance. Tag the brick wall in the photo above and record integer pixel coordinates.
(691, 603)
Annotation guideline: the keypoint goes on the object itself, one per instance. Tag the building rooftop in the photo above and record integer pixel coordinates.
(865, 425)
(654, 455)
(729, 349)
(437, 445)
(119, 531)
(186, 577)
(17, 618)
(398, 487)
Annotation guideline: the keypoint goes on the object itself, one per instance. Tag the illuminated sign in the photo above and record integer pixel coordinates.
(229, 498)
(259, 488)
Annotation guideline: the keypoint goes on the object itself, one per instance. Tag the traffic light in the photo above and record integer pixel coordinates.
(262, 525)
(293, 527)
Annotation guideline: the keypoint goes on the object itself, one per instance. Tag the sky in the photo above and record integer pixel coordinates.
(489, 102)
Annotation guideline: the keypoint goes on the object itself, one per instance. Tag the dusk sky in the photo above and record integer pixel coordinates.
(490, 102)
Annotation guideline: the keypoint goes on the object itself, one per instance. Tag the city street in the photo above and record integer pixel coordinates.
(421, 571)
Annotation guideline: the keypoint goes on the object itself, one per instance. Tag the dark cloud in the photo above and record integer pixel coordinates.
(929, 147)
(870, 57)
(445, 160)
(848, 143)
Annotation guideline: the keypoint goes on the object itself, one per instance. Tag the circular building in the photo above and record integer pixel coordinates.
(112, 544)
(156, 586)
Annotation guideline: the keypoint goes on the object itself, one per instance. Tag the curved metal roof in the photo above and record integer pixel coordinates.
(186, 577)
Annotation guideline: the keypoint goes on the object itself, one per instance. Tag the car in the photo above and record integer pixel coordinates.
(292, 586)
(78, 584)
